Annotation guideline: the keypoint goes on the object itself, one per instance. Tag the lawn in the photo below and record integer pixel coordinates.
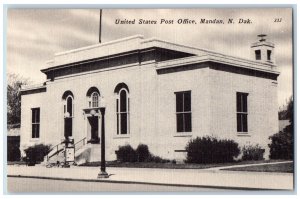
(173, 165)
(283, 168)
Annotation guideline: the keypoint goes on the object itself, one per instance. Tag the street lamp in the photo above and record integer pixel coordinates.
(102, 173)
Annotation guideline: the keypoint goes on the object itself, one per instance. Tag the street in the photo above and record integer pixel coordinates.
(19, 185)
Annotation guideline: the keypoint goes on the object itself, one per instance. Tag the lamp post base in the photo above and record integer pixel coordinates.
(103, 174)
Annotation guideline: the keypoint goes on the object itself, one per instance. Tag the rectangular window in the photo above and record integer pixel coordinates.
(242, 112)
(257, 55)
(35, 120)
(183, 111)
(269, 55)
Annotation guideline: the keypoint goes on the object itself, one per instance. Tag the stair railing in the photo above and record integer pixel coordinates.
(57, 149)
(80, 144)
(53, 148)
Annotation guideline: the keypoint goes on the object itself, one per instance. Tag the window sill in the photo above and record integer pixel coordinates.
(243, 134)
(121, 136)
(34, 139)
(183, 134)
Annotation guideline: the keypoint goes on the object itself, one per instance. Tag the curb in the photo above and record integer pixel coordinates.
(149, 183)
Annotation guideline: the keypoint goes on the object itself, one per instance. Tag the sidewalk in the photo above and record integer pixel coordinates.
(247, 165)
(180, 177)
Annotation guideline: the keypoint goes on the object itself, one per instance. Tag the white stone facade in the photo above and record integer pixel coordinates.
(154, 72)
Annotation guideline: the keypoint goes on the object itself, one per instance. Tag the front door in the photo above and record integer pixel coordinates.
(68, 126)
(94, 124)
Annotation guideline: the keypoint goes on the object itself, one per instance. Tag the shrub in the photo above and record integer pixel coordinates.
(142, 152)
(253, 152)
(209, 149)
(36, 153)
(158, 159)
(281, 146)
(126, 154)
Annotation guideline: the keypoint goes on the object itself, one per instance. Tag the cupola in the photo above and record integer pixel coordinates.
(262, 50)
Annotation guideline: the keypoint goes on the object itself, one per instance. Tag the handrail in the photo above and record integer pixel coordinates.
(80, 140)
(48, 157)
(56, 146)
(83, 143)
(59, 150)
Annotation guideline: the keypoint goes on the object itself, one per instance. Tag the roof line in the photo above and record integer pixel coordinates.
(143, 44)
(99, 45)
(91, 60)
(204, 50)
(209, 58)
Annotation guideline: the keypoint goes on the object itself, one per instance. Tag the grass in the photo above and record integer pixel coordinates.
(282, 168)
(170, 165)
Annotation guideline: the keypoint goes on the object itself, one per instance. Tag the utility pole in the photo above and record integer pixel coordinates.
(100, 23)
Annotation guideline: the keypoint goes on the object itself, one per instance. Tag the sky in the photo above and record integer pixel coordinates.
(34, 35)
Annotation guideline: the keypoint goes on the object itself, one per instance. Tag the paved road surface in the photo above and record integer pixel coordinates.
(17, 185)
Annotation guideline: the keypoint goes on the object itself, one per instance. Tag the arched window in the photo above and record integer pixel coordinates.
(68, 103)
(93, 95)
(69, 106)
(95, 99)
(122, 110)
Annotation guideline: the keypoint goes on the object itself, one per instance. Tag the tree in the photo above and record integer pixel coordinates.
(286, 110)
(282, 143)
(14, 83)
(290, 112)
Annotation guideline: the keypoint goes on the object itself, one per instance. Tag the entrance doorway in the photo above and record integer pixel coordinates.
(94, 129)
(68, 126)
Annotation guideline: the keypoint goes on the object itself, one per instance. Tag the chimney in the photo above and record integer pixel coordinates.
(262, 50)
